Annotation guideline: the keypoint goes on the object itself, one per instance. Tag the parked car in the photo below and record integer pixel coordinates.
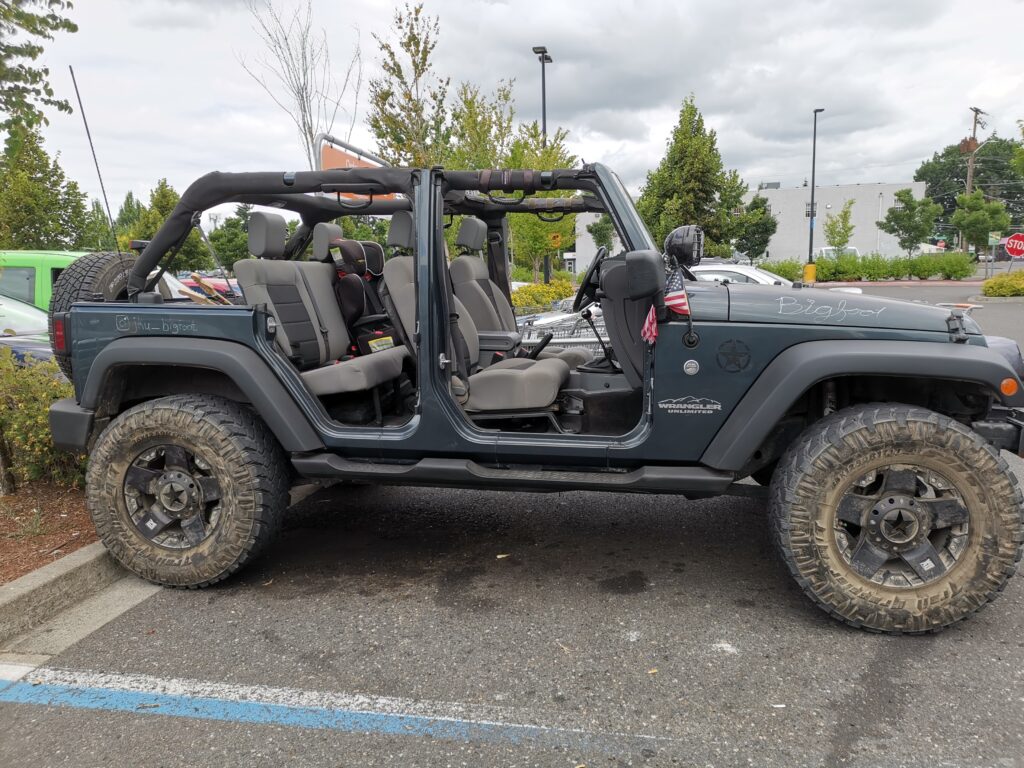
(740, 273)
(23, 330)
(29, 276)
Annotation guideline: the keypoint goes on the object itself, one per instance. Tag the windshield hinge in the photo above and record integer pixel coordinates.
(957, 328)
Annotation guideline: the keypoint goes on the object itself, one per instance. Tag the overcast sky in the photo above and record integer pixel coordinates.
(166, 96)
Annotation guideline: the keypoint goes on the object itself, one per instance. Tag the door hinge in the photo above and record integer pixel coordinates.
(443, 361)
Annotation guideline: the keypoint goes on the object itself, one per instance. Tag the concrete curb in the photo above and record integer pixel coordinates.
(899, 283)
(996, 299)
(40, 595)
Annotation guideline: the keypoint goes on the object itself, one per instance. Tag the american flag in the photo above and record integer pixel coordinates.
(675, 293)
(649, 332)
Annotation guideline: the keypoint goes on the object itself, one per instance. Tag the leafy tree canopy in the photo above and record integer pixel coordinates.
(910, 221)
(24, 86)
(759, 226)
(976, 217)
(839, 227)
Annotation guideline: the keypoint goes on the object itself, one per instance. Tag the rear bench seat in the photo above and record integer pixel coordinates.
(310, 328)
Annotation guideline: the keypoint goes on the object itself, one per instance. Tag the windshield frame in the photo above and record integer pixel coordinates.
(622, 209)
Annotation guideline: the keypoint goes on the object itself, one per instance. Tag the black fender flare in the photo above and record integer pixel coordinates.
(802, 366)
(242, 365)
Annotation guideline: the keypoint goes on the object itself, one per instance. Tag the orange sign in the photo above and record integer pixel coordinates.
(333, 157)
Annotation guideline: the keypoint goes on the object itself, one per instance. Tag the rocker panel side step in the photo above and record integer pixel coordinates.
(695, 481)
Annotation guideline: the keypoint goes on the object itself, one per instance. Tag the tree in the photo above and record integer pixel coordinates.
(365, 228)
(976, 217)
(295, 71)
(193, 254)
(231, 239)
(24, 87)
(910, 221)
(945, 175)
(129, 213)
(685, 187)
(603, 231)
(96, 234)
(481, 127)
(758, 227)
(529, 233)
(1018, 154)
(839, 228)
(39, 206)
(408, 112)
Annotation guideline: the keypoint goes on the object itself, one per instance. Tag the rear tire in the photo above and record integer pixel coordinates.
(101, 276)
(896, 519)
(187, 489)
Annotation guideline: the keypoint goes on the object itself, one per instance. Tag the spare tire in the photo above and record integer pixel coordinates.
(101, 276)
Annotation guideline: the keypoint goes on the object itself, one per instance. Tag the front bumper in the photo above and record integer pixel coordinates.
(1004, 429)
(70, 425)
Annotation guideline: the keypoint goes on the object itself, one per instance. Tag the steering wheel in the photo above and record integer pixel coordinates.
(587, 293)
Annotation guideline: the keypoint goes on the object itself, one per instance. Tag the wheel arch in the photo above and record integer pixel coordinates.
(124, 372)
(793, 377)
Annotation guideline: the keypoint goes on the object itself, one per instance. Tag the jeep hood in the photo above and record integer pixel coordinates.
(812, 306)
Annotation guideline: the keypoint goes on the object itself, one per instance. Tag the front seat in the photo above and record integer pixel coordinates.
(518, 384)
(483, 298)
(310, 328)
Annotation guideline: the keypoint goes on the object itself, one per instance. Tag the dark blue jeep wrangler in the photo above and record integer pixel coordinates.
(872, 427)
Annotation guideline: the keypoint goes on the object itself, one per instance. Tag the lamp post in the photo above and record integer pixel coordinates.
(814, 158)
(544, 58)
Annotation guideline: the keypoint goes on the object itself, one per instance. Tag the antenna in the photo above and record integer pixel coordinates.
(88, 134)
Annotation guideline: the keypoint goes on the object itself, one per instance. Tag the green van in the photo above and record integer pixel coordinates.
(30, 275)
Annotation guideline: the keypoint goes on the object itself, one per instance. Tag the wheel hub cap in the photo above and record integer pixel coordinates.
(177, 493)
(895, 523)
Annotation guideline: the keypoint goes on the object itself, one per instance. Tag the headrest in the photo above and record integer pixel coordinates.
(374, 257)
(353, 257)
(268, 233)
(472, 234)
(402, 232)
(468, 269)
(398, 271)
(325, 237)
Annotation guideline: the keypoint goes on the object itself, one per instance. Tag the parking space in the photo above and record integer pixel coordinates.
(428, 627)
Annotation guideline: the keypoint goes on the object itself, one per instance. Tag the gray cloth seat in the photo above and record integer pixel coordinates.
(310, 328)
(483, 298)
(517, 384)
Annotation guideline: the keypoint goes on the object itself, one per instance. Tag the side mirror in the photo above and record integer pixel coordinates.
(645, 274)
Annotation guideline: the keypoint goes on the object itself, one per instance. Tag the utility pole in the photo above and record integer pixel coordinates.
(972, 147)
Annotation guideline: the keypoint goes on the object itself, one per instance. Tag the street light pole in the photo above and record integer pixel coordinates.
(544, 59)
(814, 159)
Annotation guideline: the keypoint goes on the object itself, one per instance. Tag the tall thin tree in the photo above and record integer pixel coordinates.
(295, 71)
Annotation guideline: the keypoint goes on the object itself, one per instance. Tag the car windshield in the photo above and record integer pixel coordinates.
(18, 318)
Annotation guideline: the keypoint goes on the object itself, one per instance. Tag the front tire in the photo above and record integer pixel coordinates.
(896, 519)
(187, 489)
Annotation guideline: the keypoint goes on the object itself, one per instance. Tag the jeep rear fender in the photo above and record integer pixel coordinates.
(249, 373)
(802, 366)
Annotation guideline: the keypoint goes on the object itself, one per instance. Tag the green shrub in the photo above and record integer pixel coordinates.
(828, 269)
(924, 266)
(787, 269)
(874, 266)
(899, 268)
(25, 398)
(522, 274)
(541, 295)
(1008, 284)
(955, 266)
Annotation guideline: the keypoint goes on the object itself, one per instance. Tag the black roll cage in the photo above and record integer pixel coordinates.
(316, 196)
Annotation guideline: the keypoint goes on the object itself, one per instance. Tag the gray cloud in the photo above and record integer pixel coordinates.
(167, 97)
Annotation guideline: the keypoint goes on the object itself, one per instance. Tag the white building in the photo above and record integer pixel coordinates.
(791, 209)
(578, 261)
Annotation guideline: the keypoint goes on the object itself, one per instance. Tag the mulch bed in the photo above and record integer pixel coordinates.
(39, 524)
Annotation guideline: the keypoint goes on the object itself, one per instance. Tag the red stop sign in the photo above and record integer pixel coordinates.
(1015, 245)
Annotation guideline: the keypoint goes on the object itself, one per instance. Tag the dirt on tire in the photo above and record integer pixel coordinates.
(820, 465)
(100, 276)
(244, 457)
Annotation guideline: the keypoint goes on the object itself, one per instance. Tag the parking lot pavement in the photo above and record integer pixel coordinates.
(423, 627)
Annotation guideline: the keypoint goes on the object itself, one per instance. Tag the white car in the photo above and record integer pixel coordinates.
(741, 273)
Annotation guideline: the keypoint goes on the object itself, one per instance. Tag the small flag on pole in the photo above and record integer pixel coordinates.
(649, 332)
(675, 293)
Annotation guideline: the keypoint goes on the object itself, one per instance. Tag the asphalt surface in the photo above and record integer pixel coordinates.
(624, 630)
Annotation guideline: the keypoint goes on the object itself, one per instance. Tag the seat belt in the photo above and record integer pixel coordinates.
(316, 311)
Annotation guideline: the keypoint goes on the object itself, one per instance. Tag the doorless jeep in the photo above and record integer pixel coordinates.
(872, 427)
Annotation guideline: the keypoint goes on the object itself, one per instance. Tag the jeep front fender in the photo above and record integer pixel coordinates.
(802, 366)
(242, 365)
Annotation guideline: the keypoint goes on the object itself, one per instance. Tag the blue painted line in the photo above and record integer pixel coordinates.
(319, 718)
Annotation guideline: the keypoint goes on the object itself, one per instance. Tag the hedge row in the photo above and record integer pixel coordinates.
(25, 444)
(1008, 284)
(874, 266)
(541, 294)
